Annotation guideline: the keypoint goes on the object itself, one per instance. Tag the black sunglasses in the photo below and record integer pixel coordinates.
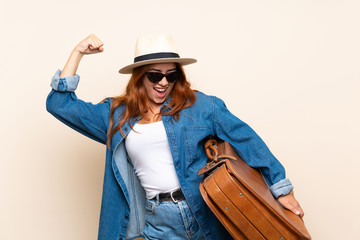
(156, 77)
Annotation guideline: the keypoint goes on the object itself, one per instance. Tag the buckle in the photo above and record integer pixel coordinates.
(172, 197)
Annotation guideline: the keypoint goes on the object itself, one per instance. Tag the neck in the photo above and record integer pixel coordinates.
(152, 115)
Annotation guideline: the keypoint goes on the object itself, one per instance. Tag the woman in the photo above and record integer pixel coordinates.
(154, 134)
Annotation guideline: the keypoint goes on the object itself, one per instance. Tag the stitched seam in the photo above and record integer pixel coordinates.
(89, 124)
(214, 115)
(183, 216)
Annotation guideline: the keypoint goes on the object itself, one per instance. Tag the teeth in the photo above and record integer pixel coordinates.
(160, 90)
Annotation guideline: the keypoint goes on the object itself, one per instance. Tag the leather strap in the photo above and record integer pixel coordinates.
(174, 196)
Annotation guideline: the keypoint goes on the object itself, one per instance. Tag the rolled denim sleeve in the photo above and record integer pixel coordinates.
(89, 119)
(251, 148)
(281, 188)
(67, 84)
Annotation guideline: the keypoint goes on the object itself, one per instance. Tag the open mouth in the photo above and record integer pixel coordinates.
(160, 92)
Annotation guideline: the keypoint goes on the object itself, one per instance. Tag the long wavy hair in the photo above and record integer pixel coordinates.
(136, 100)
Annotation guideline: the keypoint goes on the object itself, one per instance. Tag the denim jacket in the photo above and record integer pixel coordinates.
(123, 199)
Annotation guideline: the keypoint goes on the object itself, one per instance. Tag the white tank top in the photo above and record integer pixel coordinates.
(149, 151)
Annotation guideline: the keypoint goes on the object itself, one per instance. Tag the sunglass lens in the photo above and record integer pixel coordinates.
(154, 76)
(173, 77)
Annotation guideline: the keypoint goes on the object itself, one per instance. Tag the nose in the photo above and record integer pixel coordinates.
(163, 81)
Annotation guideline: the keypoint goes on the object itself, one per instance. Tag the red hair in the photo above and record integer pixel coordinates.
(136, 102)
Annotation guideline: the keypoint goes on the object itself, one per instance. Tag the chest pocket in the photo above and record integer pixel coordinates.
(195, 137)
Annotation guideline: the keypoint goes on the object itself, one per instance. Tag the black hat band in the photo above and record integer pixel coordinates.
(156, 56)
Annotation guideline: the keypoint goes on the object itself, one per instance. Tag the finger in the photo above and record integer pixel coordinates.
(99, 43)
(295, 208)
(298, 210)
(301, 212)
(90, 45)
(96, 44)
(289, 202)
(91, 39)
(95, 50)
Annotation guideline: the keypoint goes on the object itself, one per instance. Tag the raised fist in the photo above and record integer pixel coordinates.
(90, 45)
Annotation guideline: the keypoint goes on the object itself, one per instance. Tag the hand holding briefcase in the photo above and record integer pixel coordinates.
(240, 198)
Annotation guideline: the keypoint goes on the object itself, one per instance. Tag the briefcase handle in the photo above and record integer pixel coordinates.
(211, 149)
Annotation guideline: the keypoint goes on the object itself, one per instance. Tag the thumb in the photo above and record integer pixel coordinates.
(93, 49)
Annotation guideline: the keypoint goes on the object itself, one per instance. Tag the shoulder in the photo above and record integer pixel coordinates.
(203, 99)
(204, 103)
(114, 106)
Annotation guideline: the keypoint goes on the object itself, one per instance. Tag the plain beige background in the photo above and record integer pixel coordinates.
(288, 68)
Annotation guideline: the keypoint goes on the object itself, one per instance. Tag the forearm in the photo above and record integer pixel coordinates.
(89, 45)
(72, 64)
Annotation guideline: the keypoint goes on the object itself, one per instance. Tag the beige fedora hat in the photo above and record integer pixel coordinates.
(152, 49)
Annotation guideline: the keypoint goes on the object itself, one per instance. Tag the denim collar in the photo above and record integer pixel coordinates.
(165, 104)
(117, 137)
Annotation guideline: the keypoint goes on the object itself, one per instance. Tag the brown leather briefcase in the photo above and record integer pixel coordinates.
(240, 198)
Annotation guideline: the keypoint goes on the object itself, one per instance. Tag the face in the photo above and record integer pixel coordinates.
(160, 91)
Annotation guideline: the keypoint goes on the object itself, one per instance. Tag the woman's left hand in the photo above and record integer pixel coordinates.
(289, 202)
